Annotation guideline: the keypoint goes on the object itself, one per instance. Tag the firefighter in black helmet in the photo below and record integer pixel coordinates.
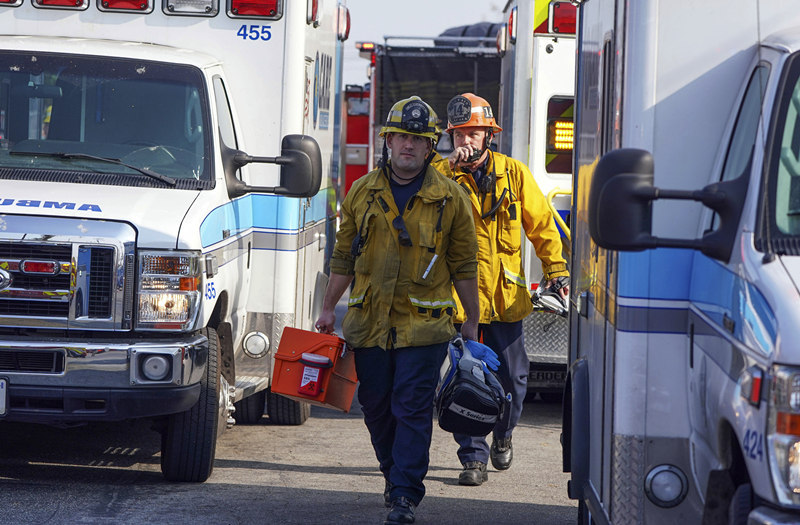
(406, 239)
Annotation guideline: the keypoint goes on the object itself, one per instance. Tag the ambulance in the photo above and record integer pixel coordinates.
(537, 89)
(167, 194)
(683, 396)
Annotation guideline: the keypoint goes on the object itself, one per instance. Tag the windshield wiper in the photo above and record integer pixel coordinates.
(61, 155)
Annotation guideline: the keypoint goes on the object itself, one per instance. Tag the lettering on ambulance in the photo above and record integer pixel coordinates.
(322, 89)
(255, 32)
(28, 203)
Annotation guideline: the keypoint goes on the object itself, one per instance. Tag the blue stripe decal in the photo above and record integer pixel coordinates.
(730, 301)
(257, 210)
(662, 273)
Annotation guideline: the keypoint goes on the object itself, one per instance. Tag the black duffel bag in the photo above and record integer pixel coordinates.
(469, 398)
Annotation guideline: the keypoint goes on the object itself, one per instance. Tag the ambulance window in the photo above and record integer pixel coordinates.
(743, 139)
(227, 132)
(740, 150)
(785, 176)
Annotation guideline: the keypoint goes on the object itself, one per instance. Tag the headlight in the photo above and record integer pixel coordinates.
(169, 290)
(783, 435)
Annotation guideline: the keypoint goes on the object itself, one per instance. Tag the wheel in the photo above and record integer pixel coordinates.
(250, 409)
(189, 440)
(285, 411)
(741, 505)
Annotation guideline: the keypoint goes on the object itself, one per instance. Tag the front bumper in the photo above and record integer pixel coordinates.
(768, 516)
(62, 381)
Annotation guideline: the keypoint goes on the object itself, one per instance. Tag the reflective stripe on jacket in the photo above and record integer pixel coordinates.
(403, 295)
(502, 285)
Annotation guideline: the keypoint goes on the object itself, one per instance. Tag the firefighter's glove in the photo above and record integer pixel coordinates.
(559, 282)
(484, 353)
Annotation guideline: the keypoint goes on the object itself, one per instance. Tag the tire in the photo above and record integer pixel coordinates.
(741, 505)
(189, 441)
(250, 410)
(285, 411)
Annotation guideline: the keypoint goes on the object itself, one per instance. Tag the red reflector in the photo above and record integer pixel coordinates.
(254, 7)
(786, 423)
(127, 5)
(48, 267)
(564, 16)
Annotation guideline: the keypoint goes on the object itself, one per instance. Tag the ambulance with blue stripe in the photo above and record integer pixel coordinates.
(683, 397)
(169, 173)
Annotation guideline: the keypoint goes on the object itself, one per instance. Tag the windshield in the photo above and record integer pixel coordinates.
(148, 115)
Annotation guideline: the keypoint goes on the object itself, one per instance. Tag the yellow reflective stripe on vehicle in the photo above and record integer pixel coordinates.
(517, 279)
(356, 300)
(431, 305)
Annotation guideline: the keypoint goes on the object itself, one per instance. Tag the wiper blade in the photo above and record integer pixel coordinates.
(62, 155)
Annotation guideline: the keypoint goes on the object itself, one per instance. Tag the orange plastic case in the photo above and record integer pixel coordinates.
(316, 368)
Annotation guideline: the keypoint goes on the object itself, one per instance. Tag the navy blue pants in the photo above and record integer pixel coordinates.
(396, 389)
(506, 340)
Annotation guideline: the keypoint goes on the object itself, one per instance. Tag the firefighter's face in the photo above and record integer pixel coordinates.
(408, 151)
(469, 136)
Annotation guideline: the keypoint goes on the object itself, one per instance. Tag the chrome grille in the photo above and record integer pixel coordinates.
(92, 271)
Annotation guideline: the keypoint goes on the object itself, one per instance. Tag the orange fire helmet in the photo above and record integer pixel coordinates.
(470, 110)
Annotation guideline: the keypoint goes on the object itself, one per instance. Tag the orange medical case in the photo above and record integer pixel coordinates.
(316, 368)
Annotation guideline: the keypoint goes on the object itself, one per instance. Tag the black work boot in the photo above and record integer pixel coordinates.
(402, 512)
(501, 453)
(387, 495)
(474, 474)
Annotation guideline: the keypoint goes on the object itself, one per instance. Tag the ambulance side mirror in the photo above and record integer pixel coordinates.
(620, 206)
(620, 216)
(301, 168)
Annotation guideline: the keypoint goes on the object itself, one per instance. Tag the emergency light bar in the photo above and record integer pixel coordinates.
(191, 7)
(130, 6)
(255, 8)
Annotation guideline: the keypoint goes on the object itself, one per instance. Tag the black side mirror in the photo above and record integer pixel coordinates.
(620, 212)
(620, 209)
(301, 168)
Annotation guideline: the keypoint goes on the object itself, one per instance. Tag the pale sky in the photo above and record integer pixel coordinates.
(371, 20)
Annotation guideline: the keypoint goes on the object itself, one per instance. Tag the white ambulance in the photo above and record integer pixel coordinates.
(535, 112)
(683, 399)
(167, 192)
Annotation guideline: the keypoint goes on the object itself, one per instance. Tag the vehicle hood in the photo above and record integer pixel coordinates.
(156, 213)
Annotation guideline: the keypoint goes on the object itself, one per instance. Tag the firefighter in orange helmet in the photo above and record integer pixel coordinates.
(506, 202)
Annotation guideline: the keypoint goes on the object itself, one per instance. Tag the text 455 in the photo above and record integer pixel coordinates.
(254, 32)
